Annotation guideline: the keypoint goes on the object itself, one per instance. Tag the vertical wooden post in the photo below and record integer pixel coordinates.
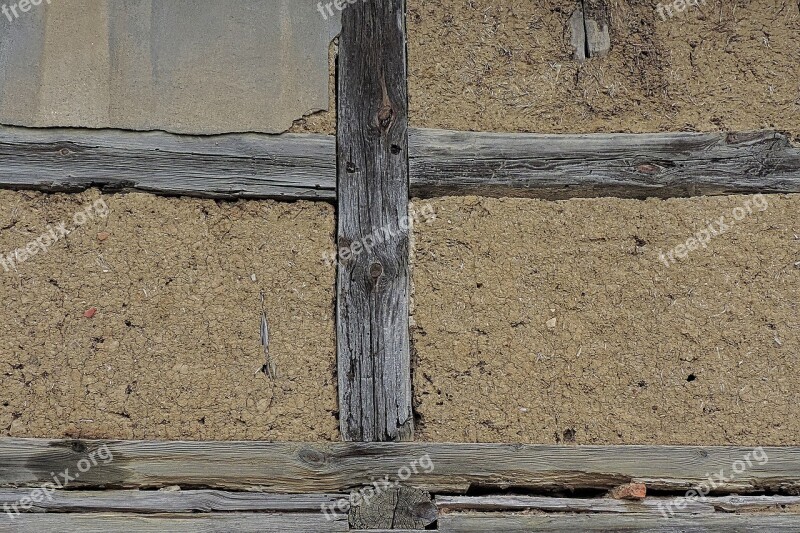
(372, 234)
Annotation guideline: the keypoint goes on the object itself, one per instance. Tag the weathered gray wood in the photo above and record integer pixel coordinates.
(438, 468)
(589, 30)
(294, 166)
(650, 505)
(396, 508)
(167, 501)
(200, 523)
(754, 503)
(373, 281)
(597, 19)
(568, 505)
(605, 523)
(286, 166)
(557, 167)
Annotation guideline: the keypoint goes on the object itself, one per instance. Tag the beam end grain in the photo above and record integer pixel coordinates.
(396, 508)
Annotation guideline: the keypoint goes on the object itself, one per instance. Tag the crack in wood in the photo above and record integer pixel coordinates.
(589, 26)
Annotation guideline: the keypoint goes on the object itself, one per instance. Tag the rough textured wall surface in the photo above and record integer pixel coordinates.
(145, 324)
(506, 65)
(558, 322)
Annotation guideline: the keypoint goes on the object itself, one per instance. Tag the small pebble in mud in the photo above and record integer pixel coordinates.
(103, 235)
(90, 312)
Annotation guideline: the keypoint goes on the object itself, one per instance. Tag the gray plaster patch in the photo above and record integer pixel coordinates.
(186, 66)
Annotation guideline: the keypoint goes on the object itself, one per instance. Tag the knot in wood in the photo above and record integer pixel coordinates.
(647, 168)
(312, 457)
(385, 116)
(375, 270)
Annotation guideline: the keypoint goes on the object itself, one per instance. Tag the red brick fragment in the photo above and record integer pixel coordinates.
(629, 491)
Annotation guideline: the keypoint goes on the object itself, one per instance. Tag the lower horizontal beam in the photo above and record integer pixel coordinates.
(657, 506)
(201, 523)
(300, 166)
(437, 468)
(164, 501)
(603, 523)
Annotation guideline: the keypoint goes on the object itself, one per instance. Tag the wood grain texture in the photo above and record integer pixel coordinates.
(373, 278)
(605, 523)
(199, 523)
(650, 505)
(288, 166)
(557, 167)
(167, 501)
(342, 467)
(296, 166)
(565, 505)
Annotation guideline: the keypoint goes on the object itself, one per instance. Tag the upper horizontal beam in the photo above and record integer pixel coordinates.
(301, 166)
(450, 468)
(557, 167)
(222, 166)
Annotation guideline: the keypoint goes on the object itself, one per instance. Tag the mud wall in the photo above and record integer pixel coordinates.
(561, 322)
(145, 323)
(488, 65)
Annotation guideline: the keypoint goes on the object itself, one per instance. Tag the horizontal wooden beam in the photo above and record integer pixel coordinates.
(296, 166)
(557, 167)
(438, 468)
(134, 511)
(603, 523)
(300, 166)
(199, 523)
(650, 505)
(455, 522)
(168, 501)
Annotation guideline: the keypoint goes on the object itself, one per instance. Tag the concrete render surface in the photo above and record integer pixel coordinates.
(197, 67)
